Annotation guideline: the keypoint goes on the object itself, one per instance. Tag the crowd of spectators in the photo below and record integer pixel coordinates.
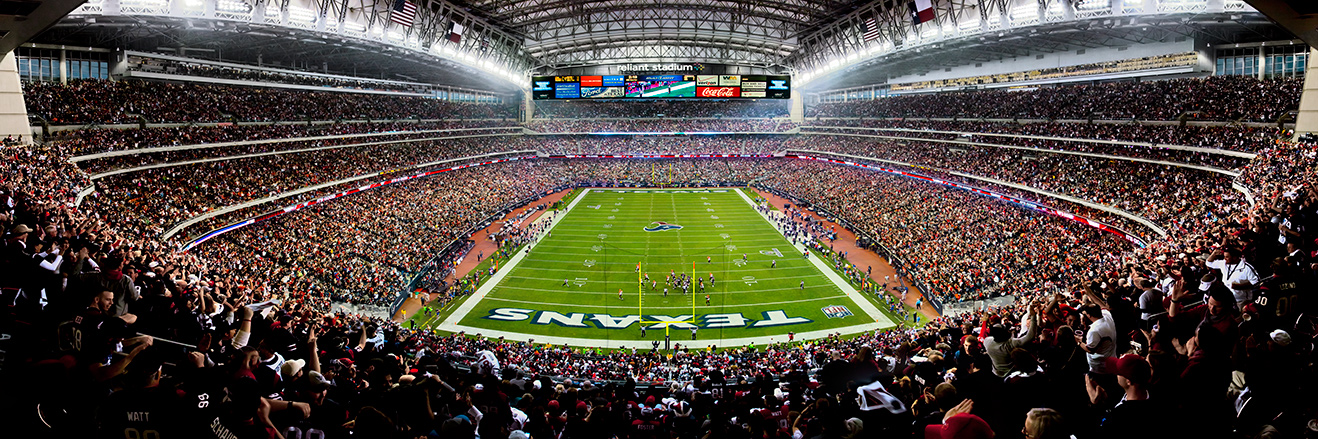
(114, 102)
(1119, 184)
(167, 195)
(372, 254)
(960, 253)
(1250, 100)
(589, 109)
(1210, 327)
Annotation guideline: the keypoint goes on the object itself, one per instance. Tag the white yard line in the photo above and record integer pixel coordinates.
(846, 287)
(679, 336)
(462, 311)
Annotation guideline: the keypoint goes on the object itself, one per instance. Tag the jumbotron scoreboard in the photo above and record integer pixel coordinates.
(661, 87)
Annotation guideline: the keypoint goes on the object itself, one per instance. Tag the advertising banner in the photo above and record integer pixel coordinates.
(653, 78)
(753, 85)
(707, 80)
(571, 90)
(718, 92)
(601, 92)
(729, 81)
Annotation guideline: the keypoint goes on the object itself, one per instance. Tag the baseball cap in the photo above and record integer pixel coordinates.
(458, 426)
(962, 426)
(682, 409)
(1280, 337)
(291, 368)
(315, 382)
(1131, 366)
(854, 427)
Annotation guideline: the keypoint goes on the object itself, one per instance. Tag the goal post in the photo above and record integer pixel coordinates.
(640, 300)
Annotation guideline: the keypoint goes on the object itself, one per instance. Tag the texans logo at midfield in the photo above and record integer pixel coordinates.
(659, 226)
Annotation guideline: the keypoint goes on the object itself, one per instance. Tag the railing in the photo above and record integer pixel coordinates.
(133, 126)
(290, 151)
(1198, 149)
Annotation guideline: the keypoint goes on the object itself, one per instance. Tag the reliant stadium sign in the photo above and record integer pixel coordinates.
(606, 321)
(669, 67)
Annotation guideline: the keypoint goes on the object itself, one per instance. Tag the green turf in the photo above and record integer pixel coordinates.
(718, 225)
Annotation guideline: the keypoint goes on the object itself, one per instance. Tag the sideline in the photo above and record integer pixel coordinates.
(846, 287)
(451, 323)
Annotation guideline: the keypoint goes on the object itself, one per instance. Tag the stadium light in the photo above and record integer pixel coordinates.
(300, 14)
(228, 6)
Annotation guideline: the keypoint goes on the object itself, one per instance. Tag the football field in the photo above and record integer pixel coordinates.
(581, 285)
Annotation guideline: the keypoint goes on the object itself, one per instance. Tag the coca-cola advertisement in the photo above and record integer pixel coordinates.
(718, 92)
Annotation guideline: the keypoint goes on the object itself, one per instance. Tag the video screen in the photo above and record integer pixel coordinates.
(661, 87)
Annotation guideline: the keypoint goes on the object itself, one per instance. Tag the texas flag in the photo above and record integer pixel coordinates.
(455, 32)
(922, 11)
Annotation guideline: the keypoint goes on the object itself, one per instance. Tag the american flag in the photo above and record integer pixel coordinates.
(871, 28)
(403, 13)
